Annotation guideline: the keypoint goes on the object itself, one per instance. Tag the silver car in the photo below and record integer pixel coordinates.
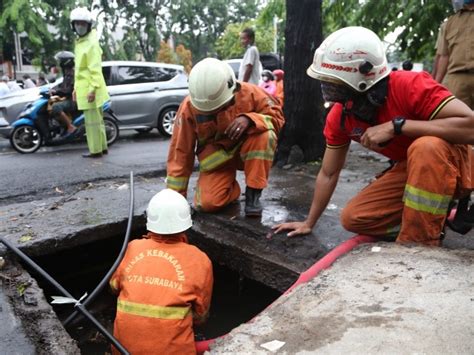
(144, 95)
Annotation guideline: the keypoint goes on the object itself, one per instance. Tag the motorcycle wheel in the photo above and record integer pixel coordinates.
(26, 139)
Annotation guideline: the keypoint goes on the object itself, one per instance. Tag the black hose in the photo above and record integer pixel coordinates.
(107, 277)
(53, 282)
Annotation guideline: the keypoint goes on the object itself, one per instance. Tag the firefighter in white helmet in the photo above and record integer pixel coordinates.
(164, 285)
(90, 90)
(229, 125)
(405, 116)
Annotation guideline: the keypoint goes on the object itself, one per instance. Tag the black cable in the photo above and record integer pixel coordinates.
(54, 283)
(107, 277)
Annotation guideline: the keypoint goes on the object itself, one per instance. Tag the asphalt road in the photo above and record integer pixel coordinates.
(33, 175)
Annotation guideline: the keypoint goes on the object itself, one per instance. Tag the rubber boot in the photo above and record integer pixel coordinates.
(253, 208)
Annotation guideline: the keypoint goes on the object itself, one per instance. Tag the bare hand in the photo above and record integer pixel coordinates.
(377, 137)
(91, 97)
(298, 228)
(237, 127)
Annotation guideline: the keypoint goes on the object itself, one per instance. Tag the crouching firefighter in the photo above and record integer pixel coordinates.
(164, 285)
(405, 116)
(229, 126)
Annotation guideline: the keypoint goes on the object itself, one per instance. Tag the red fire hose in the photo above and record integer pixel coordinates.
(323, 263)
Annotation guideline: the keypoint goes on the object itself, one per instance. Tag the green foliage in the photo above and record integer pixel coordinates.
(25, 16)
(418, 21)
(228, 44)
(198, 23)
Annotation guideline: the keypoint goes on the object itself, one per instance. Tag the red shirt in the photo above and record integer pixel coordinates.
(412, 95)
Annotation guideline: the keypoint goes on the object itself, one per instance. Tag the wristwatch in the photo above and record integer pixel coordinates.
(398, 123)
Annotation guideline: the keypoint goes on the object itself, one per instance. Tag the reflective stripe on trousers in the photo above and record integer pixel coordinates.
(217, 188)
(414, 195)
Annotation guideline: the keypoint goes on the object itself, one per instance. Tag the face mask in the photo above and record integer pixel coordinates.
(81, 30)
(335, 93)
(265, 78)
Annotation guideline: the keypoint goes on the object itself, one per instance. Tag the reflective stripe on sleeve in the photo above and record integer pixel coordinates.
(152, 311)
(177, 183)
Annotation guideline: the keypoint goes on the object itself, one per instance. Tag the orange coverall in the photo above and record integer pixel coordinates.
(220, 157)
(163, 283)
(432, 164)
(280, 94)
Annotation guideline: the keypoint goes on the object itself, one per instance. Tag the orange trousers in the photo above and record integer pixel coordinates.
(411, 200)
(217, 188)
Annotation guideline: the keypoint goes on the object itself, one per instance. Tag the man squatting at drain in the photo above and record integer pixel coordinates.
(405, 116)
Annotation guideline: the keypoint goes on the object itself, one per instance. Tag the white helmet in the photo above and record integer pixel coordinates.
(81, 14)
(352, 55)
(168, 212)
(211, 84)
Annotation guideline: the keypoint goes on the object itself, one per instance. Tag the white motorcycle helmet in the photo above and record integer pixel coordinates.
(81, 14)
(168, 212)
(352, 55)
(211, 84)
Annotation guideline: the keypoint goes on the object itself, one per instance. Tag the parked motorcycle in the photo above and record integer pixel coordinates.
(35, 127)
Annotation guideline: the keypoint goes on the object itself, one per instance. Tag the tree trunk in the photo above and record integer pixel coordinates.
(303, 101)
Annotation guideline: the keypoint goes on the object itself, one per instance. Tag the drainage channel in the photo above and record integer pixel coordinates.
(235, 299)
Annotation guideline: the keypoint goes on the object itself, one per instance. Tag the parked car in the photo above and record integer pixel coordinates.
(144, 95)
(269, 61)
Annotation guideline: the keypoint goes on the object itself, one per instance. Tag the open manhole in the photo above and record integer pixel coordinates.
(235, 299)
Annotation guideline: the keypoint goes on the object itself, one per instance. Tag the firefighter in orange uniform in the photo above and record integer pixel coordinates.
(403, 115)
(164, 285)
(229, 126)
(280, 94)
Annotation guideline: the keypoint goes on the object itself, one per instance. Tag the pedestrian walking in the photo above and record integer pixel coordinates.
(164, 284)
(250, 68)
(229, 126)
(89, 85)
(403, 115)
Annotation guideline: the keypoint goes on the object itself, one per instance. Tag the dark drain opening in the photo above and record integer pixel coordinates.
(235, 299)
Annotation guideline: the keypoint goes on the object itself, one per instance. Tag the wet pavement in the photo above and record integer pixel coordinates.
(392, 300)
(84, 213)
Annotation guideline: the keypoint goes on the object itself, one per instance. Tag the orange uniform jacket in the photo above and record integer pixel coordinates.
(195, 134)
(163, 283)
(280, 94)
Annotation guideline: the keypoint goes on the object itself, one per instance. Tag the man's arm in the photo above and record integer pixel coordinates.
(203, 299)
(325, 185)
(248, 72)
(441, 68)
(454, 123)
(181, 154)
